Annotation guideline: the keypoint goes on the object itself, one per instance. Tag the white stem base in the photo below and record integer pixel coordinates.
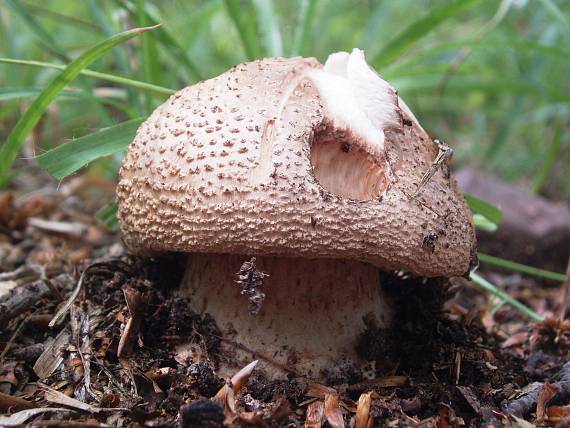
(312, 316)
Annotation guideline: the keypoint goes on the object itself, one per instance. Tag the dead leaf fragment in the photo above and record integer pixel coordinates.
(315, 414)
(363, 419)
(10, 402)
(225, 397)
(470, 398)
(54, 396)
(448, 419)
(556, 413)
(547, 392)
(332, 411)
(515, 340)
(22, 416)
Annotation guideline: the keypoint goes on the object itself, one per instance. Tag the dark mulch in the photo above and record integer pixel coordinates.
(129, 351)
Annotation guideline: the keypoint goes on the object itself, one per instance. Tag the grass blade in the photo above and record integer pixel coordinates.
(270, 28)
(483, 223)
(108, 216)
(520, 45)
(62, 18)
(8, 94)
(306, 16)
(120, 53)
(148, 53)
(492, 289)
(53, 46)
(110, 99)
(557, 14)
(28, 121)
(165, 37)
(467, 84)
(550, 159)
(246, 24)
(73, 155)
(486, 209)
(43, 36)
(519, 267)
(144, 86)
(418, 29)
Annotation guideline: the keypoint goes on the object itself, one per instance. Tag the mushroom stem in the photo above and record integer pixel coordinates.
(312, 317)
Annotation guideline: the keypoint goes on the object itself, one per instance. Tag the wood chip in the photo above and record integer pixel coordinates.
(54, 396)
(363, 419)
(21, 417)
(470, 398)
(315, 414)
(547, 392)
(225, 397)
(332, 411)
(77, 230)
(240, 378)
(52, 356)
(557, 413)
(317, 390)
(10, 402)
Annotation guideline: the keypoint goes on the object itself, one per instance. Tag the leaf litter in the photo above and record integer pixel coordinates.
(124, 348)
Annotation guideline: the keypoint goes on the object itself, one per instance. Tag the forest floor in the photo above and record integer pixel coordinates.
(93, 336)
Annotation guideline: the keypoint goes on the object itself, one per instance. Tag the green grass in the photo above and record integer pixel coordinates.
(488, 77)
(490, 288)
(69, 157)
(33, 114)
(473, 71)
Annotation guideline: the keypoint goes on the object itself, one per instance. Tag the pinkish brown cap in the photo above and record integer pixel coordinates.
(285, 156)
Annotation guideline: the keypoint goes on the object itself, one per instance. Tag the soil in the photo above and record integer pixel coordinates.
(128, 351)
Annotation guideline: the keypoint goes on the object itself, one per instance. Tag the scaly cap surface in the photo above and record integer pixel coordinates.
(287, 157)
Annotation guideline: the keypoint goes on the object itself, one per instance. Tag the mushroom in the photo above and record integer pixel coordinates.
(314, 170)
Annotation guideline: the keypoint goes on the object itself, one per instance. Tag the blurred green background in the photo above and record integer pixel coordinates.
(491, 78)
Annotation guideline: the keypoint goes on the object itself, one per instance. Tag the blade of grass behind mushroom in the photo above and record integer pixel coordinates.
(270, 28)
(565, 294)
(44, 37)
(519, 267)
(491, 288)
(108, 216)
(549, 161)
(306, 16)
(113, 78)
(485, 208)
(9, 150)
(418, 29)
(557, 14)
(164, 36)
(246, 23)
(75, 154)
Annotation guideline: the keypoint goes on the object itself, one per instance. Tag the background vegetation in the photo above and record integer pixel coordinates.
(489, 77)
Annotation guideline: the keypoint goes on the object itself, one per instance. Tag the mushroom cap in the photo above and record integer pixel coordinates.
(283, 156)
